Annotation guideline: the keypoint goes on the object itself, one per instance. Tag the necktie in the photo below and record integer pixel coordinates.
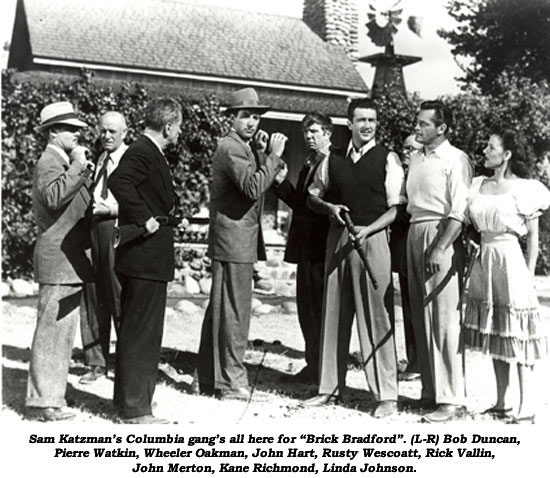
(102, 177)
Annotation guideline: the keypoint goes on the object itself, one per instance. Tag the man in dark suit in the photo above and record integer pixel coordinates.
(142, 185)
(61, 259)
(96, 334)
(240, 177)
(306, 245)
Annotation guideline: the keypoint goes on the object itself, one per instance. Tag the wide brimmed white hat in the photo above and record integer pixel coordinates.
(61, 112)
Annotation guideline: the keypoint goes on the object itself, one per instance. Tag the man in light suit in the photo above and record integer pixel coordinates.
(96, 334)
(142, 185)
(306, 244)
(61, 263)
(240, 177)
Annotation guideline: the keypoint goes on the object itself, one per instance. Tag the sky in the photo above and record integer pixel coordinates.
(435, 75)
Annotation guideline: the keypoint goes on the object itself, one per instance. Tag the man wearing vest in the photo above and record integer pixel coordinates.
(437, 188)
(306, 245)
(368, 181)
(97, 333)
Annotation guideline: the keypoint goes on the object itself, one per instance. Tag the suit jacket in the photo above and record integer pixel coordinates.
(239, 180)
(61, 202)
(307, 236)
(142, 185)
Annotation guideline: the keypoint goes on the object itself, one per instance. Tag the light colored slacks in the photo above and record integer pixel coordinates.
(53, 341)
(436, 315)
(349, 293)
(225, 328)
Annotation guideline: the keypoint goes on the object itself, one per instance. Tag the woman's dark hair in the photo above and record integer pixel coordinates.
(515, 143)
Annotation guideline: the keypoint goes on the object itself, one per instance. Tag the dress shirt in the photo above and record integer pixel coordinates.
(438, 183)
(114, 160)
(395, 176)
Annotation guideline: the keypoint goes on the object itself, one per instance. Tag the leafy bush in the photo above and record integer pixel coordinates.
(190, 159)
(517, 102)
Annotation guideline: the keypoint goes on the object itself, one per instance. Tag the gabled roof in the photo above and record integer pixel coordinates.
(183, 36)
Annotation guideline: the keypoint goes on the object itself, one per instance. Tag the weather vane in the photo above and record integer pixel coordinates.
(384, 17)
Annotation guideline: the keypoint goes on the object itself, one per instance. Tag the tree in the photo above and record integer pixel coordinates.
(495, 36)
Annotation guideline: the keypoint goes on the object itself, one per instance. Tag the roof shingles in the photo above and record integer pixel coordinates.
(182, 36)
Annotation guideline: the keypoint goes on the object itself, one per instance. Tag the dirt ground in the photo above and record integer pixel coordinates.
(275, 349)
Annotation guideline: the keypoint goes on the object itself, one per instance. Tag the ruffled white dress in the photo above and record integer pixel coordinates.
(502, 316)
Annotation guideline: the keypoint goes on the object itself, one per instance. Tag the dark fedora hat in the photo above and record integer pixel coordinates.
(61, 112)
(245, 99)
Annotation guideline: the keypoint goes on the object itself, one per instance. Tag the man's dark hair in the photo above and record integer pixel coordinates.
(161, 111)
(317, 118)
(442, 113)
(367, 103)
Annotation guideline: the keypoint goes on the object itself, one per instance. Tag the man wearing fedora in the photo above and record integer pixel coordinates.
(240, 177)
(61, 261)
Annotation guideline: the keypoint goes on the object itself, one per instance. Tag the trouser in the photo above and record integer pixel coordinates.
(349, 292)
(410, 344)
(96, 333)
(54, 339)
(309, 300)
(143, 303)
(225, 328)
(436, 314)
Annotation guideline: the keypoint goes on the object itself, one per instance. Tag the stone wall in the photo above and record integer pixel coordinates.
(336, 22)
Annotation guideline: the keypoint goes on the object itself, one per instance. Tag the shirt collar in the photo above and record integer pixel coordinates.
(63, 154)
(154, 142)
(317, 156)
(363, 150)
(440, 150)
(117, 153)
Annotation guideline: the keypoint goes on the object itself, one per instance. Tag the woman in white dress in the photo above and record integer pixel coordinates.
(502, 312)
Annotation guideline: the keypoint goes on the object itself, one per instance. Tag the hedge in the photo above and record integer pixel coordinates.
(516, 102)
(190, 160)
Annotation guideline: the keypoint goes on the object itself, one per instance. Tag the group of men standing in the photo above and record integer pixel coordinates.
(76, 204)
(363, 180)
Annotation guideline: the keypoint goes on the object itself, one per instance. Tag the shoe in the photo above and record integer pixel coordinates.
(145, 420)
(444, 413)
(420, 404)
(306, 376)
(49, 414)
(92, 375)
(320, 400)
(408, 376)
(240, 393)
(529, 420)
(498, 413)
(385, 408)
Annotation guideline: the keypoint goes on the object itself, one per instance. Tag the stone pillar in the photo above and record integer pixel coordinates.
(335, 21)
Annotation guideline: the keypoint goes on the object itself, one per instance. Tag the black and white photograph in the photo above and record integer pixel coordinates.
(303, 236)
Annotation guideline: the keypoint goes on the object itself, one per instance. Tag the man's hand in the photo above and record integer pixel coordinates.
(277, 143)
(78, 156)
(281, 175)
(361, 233)
(152, 225)
(101, 209)
(434, 260)
(260, 140)
(334, 213)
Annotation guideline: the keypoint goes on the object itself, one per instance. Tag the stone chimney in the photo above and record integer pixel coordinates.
(335, 21)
